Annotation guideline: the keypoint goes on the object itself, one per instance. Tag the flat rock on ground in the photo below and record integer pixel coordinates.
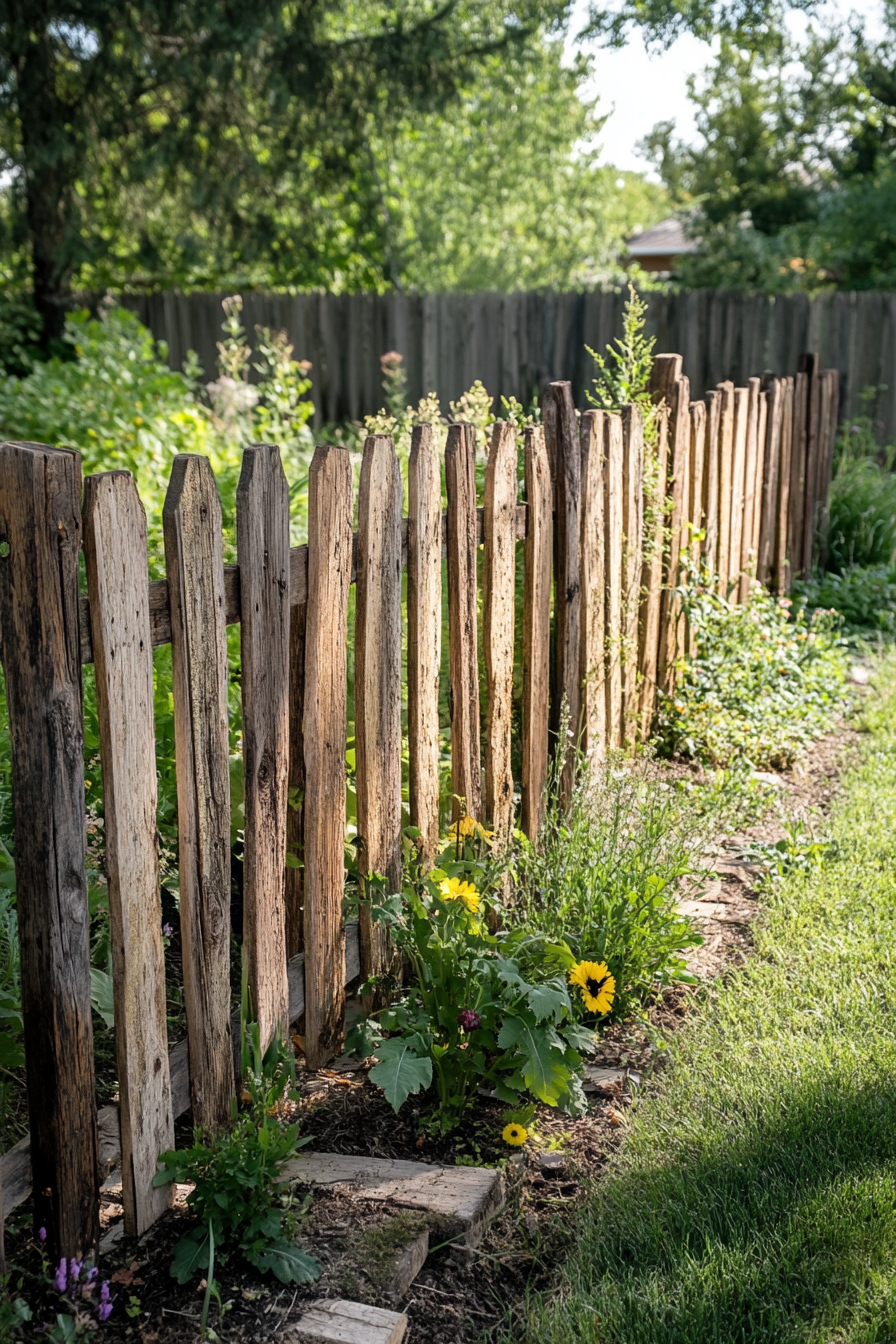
(346, 1323)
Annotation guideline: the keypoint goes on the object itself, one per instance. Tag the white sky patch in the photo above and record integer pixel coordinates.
(639, 89)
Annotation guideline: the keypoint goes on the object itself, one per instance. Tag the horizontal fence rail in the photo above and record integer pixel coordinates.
(619, 508)
(516, 343)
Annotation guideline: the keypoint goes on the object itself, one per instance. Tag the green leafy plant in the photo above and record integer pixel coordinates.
(864, 596)
(623, 375)
(469, 1019)
(862, 501)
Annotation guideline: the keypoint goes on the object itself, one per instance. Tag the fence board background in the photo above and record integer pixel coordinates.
(516, 343)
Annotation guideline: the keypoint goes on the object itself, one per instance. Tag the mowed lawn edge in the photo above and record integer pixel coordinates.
(754, 1197)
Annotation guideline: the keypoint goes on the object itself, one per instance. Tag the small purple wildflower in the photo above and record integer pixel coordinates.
(167, 930)
(61, 1278)
(468, 1019)
(104, 1311)
(42, 1234)
(91, 1274)
(104, 1291)
(74, 1270)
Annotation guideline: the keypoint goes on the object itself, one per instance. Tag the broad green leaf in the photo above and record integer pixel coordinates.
(579, 1037)
(190, 1254)
(547, 1001)
(544, 1072)
(400, 1071)
(101, 995)
(286, 1261)
(12, 1055)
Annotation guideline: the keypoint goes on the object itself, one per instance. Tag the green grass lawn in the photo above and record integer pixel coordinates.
(755, 1197)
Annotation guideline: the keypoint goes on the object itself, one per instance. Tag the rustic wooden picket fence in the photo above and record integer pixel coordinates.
(747, 470)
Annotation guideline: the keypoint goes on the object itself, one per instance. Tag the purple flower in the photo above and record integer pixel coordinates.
(42, 1234)
(468, 1019)
(61, 1279)
(91, 1273)
(167, 931)
(104, 1311)
(74, 1270)
(104, 1291)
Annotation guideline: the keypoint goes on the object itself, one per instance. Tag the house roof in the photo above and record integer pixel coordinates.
(665, 239)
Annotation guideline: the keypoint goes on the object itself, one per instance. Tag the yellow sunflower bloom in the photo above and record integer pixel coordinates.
(516, 1135)
(466, 828)
(596, 983)
(454, 890)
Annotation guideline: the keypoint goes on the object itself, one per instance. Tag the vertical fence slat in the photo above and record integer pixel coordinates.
(194, 561)
(771, 450)
(671, 623)
(799, 443)
(460, 482)
(781, 565)
(696, 472)
(713, 402)
(809, 365)
(594, 695)
(117, 563)
(738, 485)
(565, 454)
(498, 623)
(262, 539)
(828, 437)
(633, 545)
(294, 872)
(752, 460)
(614, 491)
(652, 577)
(761, 435)
(536, 629)
(424, 635)
(726, 475)
(326, 639)
(378, 683)
(40, 522)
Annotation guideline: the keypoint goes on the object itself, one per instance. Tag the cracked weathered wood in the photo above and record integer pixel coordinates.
(329, 578)
(536, 630)
(378, 684)
(460, 481)
(294, 872)
(726, 475)
(193, 558)
(262, 541)
(771, 478)
(117, 564)
(342, 1322)
(780, 563)
(671, 623)
(499, 600)
(565, 456)
(613, 574)
(424, 636)
(592, 672)
(738, 485)
(696, 468)
(752, 487)
(713, 401)
(652, 578)
(633, 547)
(798, 457)
(40, 532)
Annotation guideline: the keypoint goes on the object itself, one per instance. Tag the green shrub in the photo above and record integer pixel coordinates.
(862, 500)
(864, 596)
(762, 684)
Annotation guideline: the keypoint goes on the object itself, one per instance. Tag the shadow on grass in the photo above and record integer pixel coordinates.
(785, 1232)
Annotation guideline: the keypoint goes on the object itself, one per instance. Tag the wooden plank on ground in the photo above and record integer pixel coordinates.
(614, 489)
(424, 636)
(378, 685)
(326, 639)
(117, 564)
(499, 577)
(294, 872)
(632, 555)
(726, 478)
(770, 480)
(565, 455)
(40, 528)
(738, 487)
(262, 541)
(536, 630)
(193, 558)
(751, 474)
(460, 481)
(713, 401)
(594, 695)
(781, 563)
(652, 572)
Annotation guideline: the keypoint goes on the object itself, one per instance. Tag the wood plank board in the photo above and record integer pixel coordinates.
(117, 565)
(342, 1322)
(671, 620)
(738, 487)
(594, 693)
(294, 870)
(378, 684)
(770, 480)
(326, 639)
(652, 574)
(713, 402)
(809, 366)
(726, 478)
(751, 487)
(536, 630)
(565, 454)
(696, 467)
(614, 489)
(460, 480)
(781, 563)
(632, 552)
(424, 636)
(499, 575)
(799, 444)
(191, 519)
(40, 522)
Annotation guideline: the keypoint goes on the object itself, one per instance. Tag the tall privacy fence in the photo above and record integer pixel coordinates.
(516, 343)
(746, 470)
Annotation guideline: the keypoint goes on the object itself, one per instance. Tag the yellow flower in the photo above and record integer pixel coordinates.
(596, 983)
(468, 826)
(514, 1134)
(454, 890)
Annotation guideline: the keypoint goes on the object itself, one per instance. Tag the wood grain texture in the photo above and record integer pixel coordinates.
(780, 562)
(738, 486)
(696, 472)
(713, 402)
(830, 399)
(761, 435)
(294, 871)
(565, 455)
(632, 554)
(809, 366)
(460, 482)
(671, 620)
(799, 443)
(536, 630)
(262, 542)
(117, 564)
(594, 693)
(614, 491)
(751, 476)
(771, 468)
(191, 519)
(652, 575)
(378, 684)
(40, 522)
(329, 577)
(498, 610)
(424, 600)
(726, 479)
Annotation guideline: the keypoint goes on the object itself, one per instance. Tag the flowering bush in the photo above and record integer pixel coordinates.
(470, 1018)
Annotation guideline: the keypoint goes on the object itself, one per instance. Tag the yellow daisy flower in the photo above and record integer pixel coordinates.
(596, 983)
(454, 890)
(468, 826)
(514, 1134)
